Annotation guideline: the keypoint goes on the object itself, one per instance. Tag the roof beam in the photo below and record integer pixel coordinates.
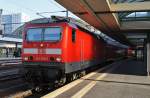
(94, 6)
(125, 7)
(92, 12)
(135, 25)
(86, 10)
(131, 7)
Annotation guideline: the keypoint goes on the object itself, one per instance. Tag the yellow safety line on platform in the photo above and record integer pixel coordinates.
(88, 87)
(83, 91)
(71, 85)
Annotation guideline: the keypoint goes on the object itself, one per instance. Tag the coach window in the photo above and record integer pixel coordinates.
(73, 35)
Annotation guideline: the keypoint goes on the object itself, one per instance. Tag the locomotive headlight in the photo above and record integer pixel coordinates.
(25, 58)
(58, 59)
(41, 45)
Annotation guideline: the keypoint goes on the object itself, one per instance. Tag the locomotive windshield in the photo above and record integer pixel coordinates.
(34, 34)
(44, 34)
(52, 34)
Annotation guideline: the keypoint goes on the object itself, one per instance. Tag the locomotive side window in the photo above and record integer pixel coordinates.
(52, 34)
(34, 34)
(73, 35)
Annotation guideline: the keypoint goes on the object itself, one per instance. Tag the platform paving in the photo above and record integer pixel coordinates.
(125, 79)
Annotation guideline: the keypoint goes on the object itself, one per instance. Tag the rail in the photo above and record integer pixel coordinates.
(9, 61)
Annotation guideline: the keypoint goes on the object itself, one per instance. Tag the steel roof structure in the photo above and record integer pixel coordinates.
(113, 17)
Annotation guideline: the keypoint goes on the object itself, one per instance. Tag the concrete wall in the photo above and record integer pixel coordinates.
(148, 58)
(135, 25)
(148, 54)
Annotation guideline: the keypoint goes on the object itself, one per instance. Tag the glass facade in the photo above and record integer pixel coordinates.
(10, 22)
(1, 21)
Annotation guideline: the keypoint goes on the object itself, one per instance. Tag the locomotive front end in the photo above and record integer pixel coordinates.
(42, 53)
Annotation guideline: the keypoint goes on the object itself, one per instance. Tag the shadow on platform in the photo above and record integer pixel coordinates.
(130, 67)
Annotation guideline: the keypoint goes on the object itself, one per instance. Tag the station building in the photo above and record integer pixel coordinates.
(10, 36)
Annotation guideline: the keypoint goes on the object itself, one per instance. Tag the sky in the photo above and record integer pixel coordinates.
(31, 7)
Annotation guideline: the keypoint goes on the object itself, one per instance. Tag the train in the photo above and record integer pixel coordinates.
(58, 49)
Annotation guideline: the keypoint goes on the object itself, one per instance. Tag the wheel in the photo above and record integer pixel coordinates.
(36, 90)
(83, 73)
(75, 76)
(62, 81)
(69, 78)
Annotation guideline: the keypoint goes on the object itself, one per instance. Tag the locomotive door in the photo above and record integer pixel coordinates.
(82, 53)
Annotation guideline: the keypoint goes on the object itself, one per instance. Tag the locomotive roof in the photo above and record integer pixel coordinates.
(58, 19)
(71, 21)
(80, 25)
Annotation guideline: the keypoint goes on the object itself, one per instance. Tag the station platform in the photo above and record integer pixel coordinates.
(124, 79)
(10, 58)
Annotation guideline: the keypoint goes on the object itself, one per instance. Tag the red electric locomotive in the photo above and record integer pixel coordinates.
(58, 49)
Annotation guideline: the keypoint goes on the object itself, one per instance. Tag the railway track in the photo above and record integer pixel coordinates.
(19, 88)
(10, 71)
(6, 65)
(12, 61)
(13, 87)
(9, 74)
(29, 94)
(11, 79)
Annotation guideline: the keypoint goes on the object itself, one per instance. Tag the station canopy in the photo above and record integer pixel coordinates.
(112, 17)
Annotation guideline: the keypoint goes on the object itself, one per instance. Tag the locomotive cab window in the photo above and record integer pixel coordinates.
(43, 34)
(73, 35)
(52, 34)
(34, 34)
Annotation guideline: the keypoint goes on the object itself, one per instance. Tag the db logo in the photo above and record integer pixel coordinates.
(41, 51)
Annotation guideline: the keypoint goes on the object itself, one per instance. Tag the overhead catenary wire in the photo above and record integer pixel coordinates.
(67, 12)
(51, 1)
(23, 7)
(40, 13)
